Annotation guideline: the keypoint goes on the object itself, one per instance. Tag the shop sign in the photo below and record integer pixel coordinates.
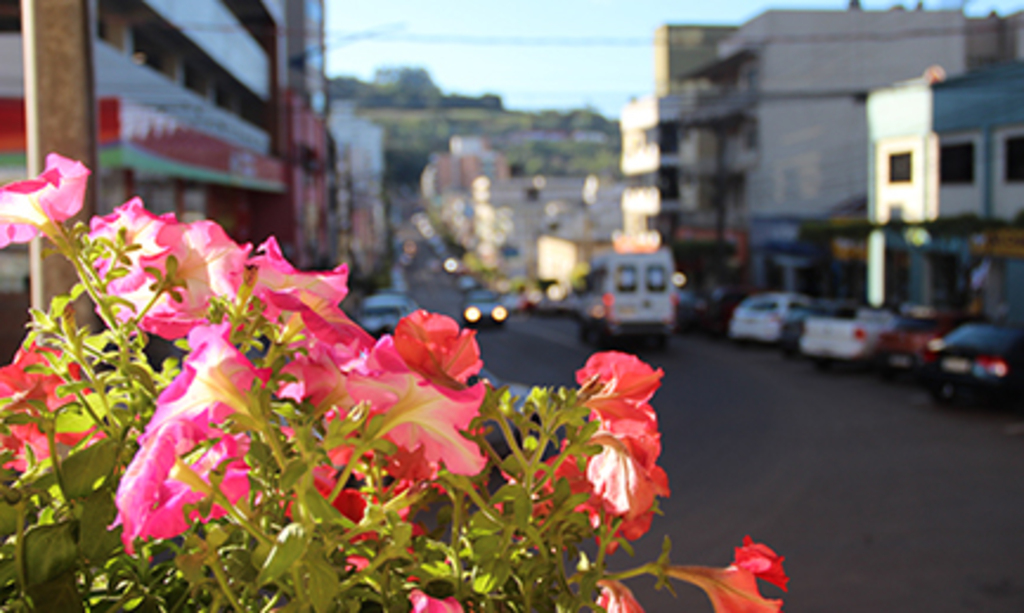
(849, 250)
(1001, 243)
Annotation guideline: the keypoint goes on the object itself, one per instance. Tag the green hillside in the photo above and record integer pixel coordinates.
(419, 120)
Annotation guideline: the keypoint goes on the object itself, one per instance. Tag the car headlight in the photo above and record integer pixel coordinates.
(499, 313)
(472, 314)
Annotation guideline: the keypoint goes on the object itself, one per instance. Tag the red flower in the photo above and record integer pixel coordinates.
(762, 561)
(435, 347)
(617, 598)
(626, 384)
(734, 589)
(349, 503)
(731, 590)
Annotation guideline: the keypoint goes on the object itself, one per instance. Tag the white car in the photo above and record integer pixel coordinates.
(380, 313)
(760, 317)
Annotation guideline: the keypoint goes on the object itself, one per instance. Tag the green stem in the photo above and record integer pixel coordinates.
(19, 552)
(347, 472)
(222, 580)
(516, 451)
(651, 568)
(55, 457)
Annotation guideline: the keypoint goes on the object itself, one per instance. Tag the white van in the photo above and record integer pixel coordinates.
(628, 295)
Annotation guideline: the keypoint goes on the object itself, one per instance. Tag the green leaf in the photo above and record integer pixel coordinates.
(321, 510)
(323, 586)
(291, 544)
(60, 594)
(96, 540)
(83, 468)
(50, 551)
(292, 473)
(191, 566)
(8, 519)
(522, 509)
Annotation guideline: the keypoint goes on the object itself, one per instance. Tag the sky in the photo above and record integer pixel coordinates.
(603, 59)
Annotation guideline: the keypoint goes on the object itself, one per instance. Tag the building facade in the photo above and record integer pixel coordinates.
(777, 123)
(949, 150)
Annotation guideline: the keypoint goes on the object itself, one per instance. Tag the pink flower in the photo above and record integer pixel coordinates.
(418, 413)
(625, 386)
(213, 382)
(159, 482)
(321, 376)
(617, 598)
(435, 347)
(421, 603)
(209, 263)
(315, 296)
(33, 206)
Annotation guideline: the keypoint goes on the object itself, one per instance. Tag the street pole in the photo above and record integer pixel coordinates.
(60, 115)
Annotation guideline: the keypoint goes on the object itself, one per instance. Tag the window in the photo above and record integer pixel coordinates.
(668, 183)
(625, 278)
(899, 168)
(956, 163)
(668, 137)
(1015, 159)
(194, 79)
(656, 278)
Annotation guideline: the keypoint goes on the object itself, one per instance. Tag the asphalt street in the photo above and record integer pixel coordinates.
(879, 500)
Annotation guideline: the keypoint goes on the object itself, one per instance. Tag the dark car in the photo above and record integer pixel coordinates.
(715, 311)
(483, 307)
(793, 324)
(976, 361)
(686, 309)
(902, 348)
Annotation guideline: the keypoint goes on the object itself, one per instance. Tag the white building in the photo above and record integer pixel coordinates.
(776, 127)
(360, 218)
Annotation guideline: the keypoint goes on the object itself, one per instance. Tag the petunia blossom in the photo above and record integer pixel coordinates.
(731, 589)
(434, 346)
(209, 263)
(321, 377)
(624, 477)
(624, 385)
(141, 229)
(761, 560)
(34, 206)
(421, 603)
(163, 478)
(313, 296)
(617, 598)
(418, 413)
(25, 388)
(213, 381)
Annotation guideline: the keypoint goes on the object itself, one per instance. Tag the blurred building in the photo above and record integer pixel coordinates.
(202, 112)
(467, 158)
(360, 215)
(950, 150)
(772, 132)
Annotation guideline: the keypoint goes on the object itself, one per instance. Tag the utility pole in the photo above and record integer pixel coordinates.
(60, 115)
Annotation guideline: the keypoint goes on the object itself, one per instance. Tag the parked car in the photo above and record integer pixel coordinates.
(759, 317)
(628, 295)
(982, 361)
(483, 307)
(839, 338)
(793, 322)
(714, 312)
(380, 313)
(686, 309)
(902, 348)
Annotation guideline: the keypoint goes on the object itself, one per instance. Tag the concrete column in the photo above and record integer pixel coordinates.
(876, 268)
(60, 111)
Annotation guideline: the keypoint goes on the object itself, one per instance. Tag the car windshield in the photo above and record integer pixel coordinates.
(482, 296)
(984, 338)
(381, 311)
